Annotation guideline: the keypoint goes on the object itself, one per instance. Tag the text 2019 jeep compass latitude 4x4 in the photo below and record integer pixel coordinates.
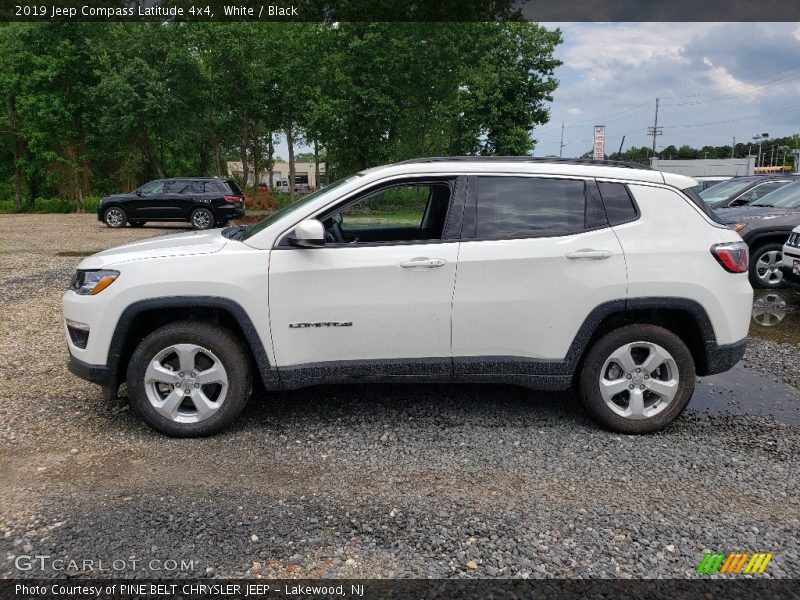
(543, 273)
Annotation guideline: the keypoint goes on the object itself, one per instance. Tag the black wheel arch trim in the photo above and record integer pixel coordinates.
(768, 237)
(268, 374)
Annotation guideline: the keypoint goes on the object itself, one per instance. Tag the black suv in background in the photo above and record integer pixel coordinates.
(205, 202)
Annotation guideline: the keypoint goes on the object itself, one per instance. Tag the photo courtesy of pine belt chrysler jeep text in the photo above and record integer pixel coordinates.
(613, 279)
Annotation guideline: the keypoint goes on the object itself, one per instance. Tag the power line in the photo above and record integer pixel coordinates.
(738, 85)
(732, 96)
(736, 119)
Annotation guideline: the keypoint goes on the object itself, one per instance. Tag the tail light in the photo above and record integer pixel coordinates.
(231, 199)
(733, 256)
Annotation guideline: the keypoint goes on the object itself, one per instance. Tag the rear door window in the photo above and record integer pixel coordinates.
(619, 205)
(520, 207)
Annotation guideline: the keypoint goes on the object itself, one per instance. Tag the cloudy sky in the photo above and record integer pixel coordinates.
(714, 80)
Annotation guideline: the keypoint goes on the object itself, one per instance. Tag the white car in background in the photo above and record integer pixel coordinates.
(791, 259)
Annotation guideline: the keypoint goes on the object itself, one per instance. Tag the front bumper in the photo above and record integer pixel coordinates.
(99, 374)
(790, 278)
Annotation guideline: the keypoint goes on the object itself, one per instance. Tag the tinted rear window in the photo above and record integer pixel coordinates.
(527, 206)
(231, 185)
(620, 207)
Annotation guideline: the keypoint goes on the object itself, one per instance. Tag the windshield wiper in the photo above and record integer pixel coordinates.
(769, 205)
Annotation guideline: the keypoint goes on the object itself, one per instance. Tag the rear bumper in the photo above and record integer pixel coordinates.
(229, 211)
(721, 358)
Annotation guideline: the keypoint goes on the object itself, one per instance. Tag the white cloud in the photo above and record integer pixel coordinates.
(702, 72)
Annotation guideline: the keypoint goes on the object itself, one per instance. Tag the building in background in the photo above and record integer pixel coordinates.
(730, 167)
(304, 173)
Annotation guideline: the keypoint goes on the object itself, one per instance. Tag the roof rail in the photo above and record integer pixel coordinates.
(531, 159)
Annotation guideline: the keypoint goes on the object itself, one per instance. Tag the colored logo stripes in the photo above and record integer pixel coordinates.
(738, 562)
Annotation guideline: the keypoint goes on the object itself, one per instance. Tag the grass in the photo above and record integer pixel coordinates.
(49, 205)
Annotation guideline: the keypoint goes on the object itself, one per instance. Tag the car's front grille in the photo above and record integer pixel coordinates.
(794, 240)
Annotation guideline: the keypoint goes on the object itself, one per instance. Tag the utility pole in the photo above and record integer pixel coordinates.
(621, 144)
(561, 145)
(733, 148)
(655, 129)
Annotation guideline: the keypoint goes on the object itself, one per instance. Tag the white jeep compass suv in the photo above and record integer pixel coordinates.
(543, 273)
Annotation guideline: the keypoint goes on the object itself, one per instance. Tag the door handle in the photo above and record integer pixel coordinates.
(589, 253)
(420, 263)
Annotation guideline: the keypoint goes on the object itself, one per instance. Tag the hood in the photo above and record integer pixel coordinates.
(113, 196)
(178, 244)
(745, 213)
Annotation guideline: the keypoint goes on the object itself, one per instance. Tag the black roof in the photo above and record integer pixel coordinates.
(529, 159)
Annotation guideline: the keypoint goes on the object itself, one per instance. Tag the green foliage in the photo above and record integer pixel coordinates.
(95, 108)
(49, 205)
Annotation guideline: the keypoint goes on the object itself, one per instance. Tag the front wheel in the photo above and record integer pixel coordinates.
(765, 266)
(189, 379)
(115, 217)
(637, 379)
(202, 218)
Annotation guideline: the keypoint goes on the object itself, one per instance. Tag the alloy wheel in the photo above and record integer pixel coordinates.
(201, 219)
(768, 267)
(639, 380)
(114, 217)
(186, 383)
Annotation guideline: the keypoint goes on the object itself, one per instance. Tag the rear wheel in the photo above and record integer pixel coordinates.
(189, 379)
(765, 266)
(115, 217)
(637, 379)
(202, 218)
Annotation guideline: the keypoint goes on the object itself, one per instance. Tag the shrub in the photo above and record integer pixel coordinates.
(259, 201)
(50, 205)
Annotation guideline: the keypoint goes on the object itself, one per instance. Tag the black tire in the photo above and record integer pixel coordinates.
(592, 369)
(774, 278)
(138, 223)
(115, 216)
(202, 218)
(217, 340)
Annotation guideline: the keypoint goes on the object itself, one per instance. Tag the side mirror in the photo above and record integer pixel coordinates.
(309, 234)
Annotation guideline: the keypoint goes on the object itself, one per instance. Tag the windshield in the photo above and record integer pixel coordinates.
(786, 197)
(289, 208)
(722, 191)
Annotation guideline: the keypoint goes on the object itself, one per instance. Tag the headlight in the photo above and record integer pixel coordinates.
(89, 283)
(738, 227)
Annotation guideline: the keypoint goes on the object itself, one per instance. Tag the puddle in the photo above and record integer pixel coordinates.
(743, 391)
(776, 316)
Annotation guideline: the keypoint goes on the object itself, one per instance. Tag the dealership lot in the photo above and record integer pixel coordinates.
(376, 481)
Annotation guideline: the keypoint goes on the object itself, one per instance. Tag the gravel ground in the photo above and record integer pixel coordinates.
(365, 481)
